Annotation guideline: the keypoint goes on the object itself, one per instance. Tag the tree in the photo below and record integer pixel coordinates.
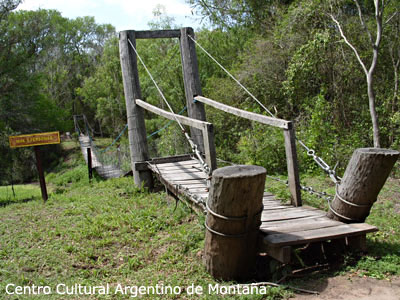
(374, 43)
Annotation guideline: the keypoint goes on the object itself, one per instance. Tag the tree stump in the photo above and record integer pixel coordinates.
(233, 221)
(363, 179)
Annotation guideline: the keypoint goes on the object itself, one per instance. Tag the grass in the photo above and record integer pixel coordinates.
(109, 232)
(106, 232)
(19, 193)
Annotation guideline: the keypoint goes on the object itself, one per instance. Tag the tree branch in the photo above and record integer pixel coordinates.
(391, 17)
(363, 22)
(349, 44)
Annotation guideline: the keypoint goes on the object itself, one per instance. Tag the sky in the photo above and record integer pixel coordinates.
(122, 14)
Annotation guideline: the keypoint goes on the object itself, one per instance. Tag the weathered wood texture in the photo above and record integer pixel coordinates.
(209, 146)
(184, 179)
(230, 243)
(292, 166)
(191, 82)
(158, 34)
(246, 114)
(363, 179)
(206, 128)
(284, 226)
(136, 126)
(201, 125)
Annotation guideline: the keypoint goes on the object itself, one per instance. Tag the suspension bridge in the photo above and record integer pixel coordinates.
(189, 176)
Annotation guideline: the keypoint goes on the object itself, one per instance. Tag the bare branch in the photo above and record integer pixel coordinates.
(391, 17)
(363, 22)
(349, 44)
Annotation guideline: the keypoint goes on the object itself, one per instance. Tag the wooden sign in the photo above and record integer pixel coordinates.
(35, 139)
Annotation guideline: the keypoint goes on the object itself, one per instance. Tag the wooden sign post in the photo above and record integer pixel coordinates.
(36, 139)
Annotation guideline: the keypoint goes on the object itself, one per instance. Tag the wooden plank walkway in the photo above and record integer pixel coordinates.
(105, 171)
(283, 225)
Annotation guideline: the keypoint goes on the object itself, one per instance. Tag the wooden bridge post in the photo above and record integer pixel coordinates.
(234, 216)
(362, 181)
(292, 165)
(136, 127)
(192, 85)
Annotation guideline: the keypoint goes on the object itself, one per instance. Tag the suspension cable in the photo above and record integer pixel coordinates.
(310, 152)
(194, 147)
(230, 75)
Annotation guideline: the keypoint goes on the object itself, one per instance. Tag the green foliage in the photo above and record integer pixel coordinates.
(43, 59)
(263, 146)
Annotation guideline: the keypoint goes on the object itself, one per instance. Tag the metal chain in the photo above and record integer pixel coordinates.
(321, 163)
(309, 189)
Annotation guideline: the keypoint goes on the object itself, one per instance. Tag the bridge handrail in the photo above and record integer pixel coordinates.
(206, 128)
(289, 136)
(246, 114)
(184, 120)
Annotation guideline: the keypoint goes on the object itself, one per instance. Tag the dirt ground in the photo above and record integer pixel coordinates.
(353, 288)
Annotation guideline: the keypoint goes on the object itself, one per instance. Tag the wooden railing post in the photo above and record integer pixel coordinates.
(209, 146)
(191, 81)
(136, 127)
(292, 165)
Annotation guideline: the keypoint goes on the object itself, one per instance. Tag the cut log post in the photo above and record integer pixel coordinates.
(136, 127)
(233, 221)
(363, 179)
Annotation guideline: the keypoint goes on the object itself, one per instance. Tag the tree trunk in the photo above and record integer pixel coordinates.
(372, 110)
(233, 221)
(363, 179)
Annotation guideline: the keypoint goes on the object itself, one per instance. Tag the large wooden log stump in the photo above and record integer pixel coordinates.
(233, 221)
(363, 179)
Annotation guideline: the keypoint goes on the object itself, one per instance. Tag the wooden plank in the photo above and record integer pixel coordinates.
(291, 221)
(196, 166)
(191, 82)
(136, 126)
(140, 166)
(290, 215)
(282, 254)
(175, 158)
(178, 171)
(292, 166)
(185, 176)
(179, 164)
(276, 207)
(292, 228)
(197, 190)
(246, 114)
(209, 147)
(158, 34)
(357, 243)
(193, 181)
(184, 120)
(308, 236)
(196, 183)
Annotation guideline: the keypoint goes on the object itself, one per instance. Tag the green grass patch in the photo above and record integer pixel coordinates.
(105, 232)
(19, 193)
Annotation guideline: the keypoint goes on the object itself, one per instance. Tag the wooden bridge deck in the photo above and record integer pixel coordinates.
(283, 225)
(105, 171)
